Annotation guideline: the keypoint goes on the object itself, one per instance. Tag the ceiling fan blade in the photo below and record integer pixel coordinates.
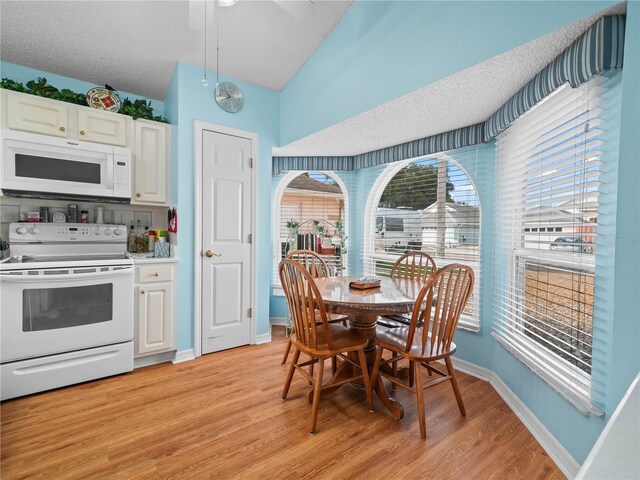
(196, 12)
(298, 9)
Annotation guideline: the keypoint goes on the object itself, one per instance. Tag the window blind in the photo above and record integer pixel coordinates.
(427, 205)
(546, 235)
(312, 209)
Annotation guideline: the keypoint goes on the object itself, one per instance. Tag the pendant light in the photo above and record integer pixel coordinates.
(228, 96)
(205, 80)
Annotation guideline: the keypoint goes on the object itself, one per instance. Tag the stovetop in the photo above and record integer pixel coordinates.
(25, 262)
(51, 245)
(63, 258)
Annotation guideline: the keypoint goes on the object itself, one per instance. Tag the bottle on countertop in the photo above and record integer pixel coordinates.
(72, 210)
(152, 241)
(131, 240)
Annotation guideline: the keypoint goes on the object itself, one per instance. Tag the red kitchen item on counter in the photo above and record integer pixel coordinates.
(173, 220)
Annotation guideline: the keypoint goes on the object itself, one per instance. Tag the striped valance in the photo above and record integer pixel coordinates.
(597, 50)
(462, 137)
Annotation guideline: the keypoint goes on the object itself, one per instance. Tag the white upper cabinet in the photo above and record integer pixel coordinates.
(55, 118)
(102, 127)
(148, 140)
(39, 115)
(151, 163)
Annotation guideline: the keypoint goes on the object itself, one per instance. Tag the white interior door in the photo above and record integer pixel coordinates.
(226, 248)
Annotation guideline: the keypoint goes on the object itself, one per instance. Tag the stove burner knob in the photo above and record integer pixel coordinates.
(96, 231)
(21, 230)
(107, 231)
(117, 231)
(34, 230)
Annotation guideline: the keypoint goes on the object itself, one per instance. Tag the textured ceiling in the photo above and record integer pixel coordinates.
(134, 45)
(465, 98)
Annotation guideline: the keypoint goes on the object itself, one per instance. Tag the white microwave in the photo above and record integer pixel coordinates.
(39, 166)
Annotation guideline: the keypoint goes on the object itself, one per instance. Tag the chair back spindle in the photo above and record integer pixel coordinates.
(414, 266)
(310, 260)
(440, 304)
(305, 303)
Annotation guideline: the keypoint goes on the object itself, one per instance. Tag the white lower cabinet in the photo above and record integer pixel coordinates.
(155, 329)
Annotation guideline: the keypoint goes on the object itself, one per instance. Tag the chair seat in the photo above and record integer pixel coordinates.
(396, 339)
(394, 321)
(343, 340)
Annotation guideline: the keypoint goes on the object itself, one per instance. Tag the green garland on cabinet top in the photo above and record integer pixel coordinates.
(39, 87)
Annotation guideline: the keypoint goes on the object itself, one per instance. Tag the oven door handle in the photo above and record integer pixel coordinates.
(8, 277)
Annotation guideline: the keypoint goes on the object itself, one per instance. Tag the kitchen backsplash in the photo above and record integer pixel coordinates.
(12, 209)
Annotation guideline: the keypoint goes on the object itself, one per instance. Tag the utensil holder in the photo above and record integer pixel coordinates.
(162, 250)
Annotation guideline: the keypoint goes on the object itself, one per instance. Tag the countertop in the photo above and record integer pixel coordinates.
(145, 261)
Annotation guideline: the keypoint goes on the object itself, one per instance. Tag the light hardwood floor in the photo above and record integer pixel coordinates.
(221, 416)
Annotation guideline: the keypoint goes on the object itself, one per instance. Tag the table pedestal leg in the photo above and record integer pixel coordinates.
(366, 325)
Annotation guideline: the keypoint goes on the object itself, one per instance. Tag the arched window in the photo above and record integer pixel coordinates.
(429, 205)
(310, 209)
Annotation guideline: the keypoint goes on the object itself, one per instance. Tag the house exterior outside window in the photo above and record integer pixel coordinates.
(429, 205)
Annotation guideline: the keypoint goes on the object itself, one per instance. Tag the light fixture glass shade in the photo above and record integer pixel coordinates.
(227, 3)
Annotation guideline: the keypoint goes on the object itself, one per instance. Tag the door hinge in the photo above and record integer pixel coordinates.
(251, 238)
(250, 312)
(250, 162)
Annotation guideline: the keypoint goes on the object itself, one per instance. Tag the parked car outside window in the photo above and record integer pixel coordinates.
(572, 244)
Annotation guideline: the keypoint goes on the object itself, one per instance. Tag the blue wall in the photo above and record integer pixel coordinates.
(382, 50)
(24, 74)
(186, 102)
(626, 321)
(379, 51)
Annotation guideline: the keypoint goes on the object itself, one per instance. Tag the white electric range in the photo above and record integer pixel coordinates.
(66, 305)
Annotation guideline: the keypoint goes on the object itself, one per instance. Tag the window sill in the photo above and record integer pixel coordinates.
(565, 375)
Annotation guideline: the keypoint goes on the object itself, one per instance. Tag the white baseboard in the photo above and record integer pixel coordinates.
(279, 321)
(263, 338)
(472, 369)
(153, 359)
(547, 441)
(184, 356)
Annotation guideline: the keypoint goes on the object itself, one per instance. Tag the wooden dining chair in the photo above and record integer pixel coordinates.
(318, 268)
(319, 340)
(414, 266)
(439, 303)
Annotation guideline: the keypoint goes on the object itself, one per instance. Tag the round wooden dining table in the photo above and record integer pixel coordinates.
(363, 308)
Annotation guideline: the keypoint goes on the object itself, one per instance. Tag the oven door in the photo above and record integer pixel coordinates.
(53, 310)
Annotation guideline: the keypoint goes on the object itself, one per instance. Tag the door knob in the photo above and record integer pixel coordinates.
(210, 254)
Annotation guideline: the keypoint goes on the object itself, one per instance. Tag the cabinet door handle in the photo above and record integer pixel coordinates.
(142, 292)
(81, 132)
(62, 129)
(138, 194)
(156, 274)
